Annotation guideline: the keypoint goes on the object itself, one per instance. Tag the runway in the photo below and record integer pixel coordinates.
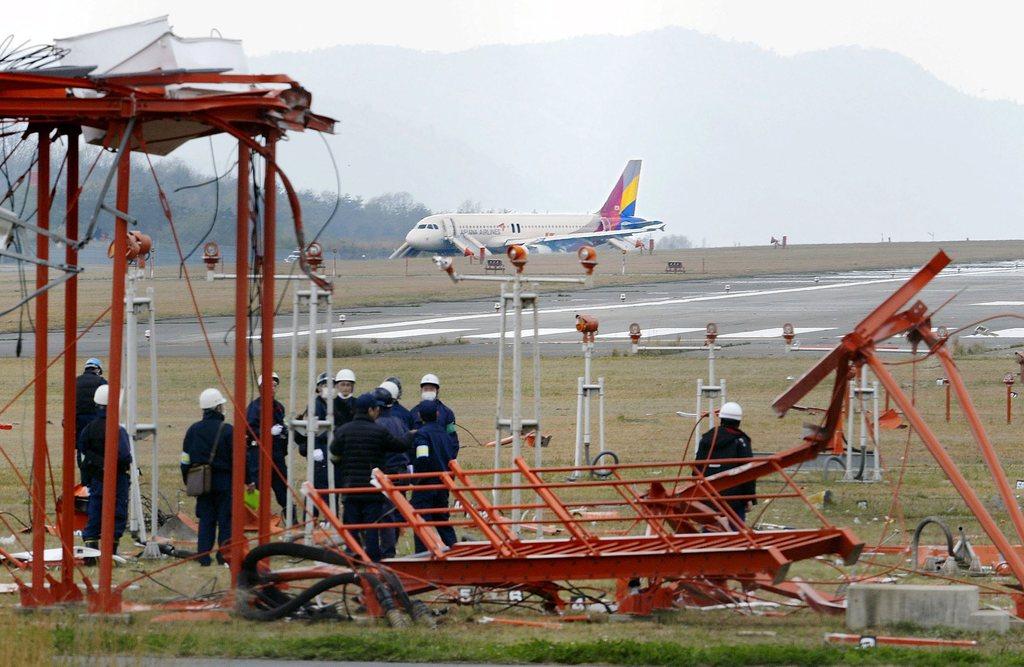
(749, 314)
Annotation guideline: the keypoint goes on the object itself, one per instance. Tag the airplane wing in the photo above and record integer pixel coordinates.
(564, 241)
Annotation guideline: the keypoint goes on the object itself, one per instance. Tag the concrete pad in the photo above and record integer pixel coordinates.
(872, 605)
(990, 620)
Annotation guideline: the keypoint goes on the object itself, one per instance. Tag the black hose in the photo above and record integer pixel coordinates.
(260, 600)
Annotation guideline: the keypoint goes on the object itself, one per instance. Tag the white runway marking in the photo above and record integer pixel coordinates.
(406, 333)
(658, 302)
(772, 333)
(999, 303)
(652, 333)
(527, 333)
(1001, 333)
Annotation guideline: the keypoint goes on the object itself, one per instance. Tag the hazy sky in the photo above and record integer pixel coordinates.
(975, 46)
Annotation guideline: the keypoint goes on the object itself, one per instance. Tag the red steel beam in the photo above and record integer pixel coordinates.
(68, 589)
(974, 421)
(40, 450)
(107, 600)
(242, 226)
(949, 466)
(742, 561)
(267, 337)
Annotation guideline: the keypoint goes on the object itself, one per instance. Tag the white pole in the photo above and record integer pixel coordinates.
(848, 475)
(600, 414)
(517, 389)
(700, 403)
(498, 430)
(863, 416)
(136, 520)
(311, 420)
(153, 403)
(292, 409)
(537, 453)
(587, 350)
(577, 458)
(329, 342)
(878, 434)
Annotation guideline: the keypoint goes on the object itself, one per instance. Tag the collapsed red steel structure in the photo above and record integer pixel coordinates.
(139, 112)
(859, 347)
(680, 534)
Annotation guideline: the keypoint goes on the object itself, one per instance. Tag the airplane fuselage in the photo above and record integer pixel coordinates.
(496, 230)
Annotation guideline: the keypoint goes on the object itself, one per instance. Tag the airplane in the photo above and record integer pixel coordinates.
(474, 234)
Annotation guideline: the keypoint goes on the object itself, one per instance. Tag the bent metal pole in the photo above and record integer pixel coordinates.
(267, 339)
(40, 454)
(68, 590)
(242, 237)
(108, 601)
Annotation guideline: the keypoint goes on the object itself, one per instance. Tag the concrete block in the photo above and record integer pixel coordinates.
(871, 605)
(990, 620)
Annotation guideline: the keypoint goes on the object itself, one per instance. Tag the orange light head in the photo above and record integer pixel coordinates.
(588, 258)
(517, 254)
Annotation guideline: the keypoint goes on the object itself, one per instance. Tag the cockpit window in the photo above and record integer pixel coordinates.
(421, 226)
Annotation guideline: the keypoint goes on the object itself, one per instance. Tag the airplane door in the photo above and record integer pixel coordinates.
(448, 227)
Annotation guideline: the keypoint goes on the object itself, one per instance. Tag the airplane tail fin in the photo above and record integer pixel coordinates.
(622, 200)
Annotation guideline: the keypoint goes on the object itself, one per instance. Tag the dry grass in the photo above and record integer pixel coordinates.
(643, 395)
(381, 282)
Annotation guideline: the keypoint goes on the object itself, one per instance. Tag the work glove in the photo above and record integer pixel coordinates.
(318, 455)
(276, 429)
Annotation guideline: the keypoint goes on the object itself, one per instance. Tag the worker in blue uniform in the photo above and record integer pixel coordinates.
(344, 397)
(209, 442)
(321, 463)
(728, 441)
(397, 409)
(279, 441)
(430, 387)
(396, 463)
(91, 446)
(431, 447)
(86, 385)
(360, 446)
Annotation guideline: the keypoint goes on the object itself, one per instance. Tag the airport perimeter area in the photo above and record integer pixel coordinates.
(644, 392)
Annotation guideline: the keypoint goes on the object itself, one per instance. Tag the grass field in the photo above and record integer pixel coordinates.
(643, 395)
(381, 282)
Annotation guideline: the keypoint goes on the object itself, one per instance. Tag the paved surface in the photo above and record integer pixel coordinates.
(749, 313)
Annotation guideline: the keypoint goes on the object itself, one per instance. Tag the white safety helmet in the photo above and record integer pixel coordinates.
(430, 378)
(211, 398)
(102, 394)
(391, 388)
(275, 376)
(345, 375)
(731, 410)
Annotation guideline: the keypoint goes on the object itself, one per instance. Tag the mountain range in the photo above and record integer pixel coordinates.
(739, 143)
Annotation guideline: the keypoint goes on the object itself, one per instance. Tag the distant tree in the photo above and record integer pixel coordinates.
(469, 206)
(673, 242)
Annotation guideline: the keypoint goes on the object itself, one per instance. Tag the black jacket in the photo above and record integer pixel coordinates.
(362, 445)
(729, 443)
(319, 441)
(85, 389)
(198, 445)
(344, 410)
(91, 446)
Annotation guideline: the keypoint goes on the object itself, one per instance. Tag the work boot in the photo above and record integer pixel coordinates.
(90, 561)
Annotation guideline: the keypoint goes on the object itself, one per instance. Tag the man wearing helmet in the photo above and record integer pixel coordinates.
(344, 398)
(430, 387)
(209, 442)
(727, 441)
(85, 388)
(91, 447)
(278, 436)
(321, 478)
(396, 462)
